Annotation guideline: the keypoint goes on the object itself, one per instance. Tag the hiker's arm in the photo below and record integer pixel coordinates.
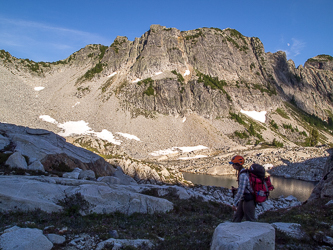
(241, 188)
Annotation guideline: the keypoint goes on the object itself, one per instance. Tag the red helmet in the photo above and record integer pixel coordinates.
(237, 159)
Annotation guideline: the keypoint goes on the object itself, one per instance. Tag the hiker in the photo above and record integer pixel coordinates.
(244, 203)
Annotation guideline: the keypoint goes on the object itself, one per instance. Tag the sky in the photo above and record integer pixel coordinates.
(52, 30)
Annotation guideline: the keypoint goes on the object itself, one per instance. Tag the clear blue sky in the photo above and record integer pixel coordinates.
(48, 30)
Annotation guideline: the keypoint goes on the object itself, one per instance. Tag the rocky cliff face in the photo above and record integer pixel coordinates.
(251, 78)
(173, 88)
(324, 189)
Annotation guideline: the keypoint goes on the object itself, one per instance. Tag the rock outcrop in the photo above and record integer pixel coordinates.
(46, 193)
(45, 148)
(24, 238)
(324, 189)
(244, 235)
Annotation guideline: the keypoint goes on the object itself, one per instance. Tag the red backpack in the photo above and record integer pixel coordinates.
(260, 184)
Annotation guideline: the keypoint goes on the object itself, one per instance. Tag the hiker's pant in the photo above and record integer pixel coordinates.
(247, 209)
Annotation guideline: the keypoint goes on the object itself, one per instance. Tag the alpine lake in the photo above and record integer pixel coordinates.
(282, 186)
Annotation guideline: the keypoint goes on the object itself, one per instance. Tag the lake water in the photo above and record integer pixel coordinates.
(300, 189)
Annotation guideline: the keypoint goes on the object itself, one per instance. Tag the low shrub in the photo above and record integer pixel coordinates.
(277, 144)
(4, 157)
(74, 204)
(180, 78)
(237, 118)
(241, 135)
(273, 124)
(282, 113)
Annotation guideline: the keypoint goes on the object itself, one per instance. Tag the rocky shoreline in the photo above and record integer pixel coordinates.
(303, 163)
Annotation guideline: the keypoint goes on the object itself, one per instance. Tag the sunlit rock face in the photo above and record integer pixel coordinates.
(167, 88)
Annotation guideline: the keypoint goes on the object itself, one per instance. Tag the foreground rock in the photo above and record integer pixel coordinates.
(24, 238)
(42, 147)
(31, 192)
(244, 235)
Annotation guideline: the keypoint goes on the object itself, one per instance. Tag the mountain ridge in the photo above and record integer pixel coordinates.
(156, 81)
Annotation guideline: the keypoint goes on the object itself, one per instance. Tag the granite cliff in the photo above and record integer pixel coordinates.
(173, 88)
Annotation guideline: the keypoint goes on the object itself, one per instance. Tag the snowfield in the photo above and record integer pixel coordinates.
(39, 88)
(174, 150)
(259, 116)
(81, 128)
(187, 73)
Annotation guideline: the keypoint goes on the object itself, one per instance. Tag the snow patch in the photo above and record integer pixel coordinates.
(194, 157)
(75, 104)
(128, 136)
(137, 80)
(259, 116)
(108, 136)
(80, 128)
(184, 119)
(158, 73)
(39, 88)
(114, 73)
(47, 118)
(174, 150)
(190, 149)
(187, 72)
(168, 151)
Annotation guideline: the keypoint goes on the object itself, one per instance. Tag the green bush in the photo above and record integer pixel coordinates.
(277, 144)
(241, 135)
(237, 118)
(213, 82)
(180, 78)
(197, 35)
(5, 55)
(150, 90)
(252, 131)
(321, 58)
(237, 34)
(95, 70)
(116, 44)
(273, 124)
(217, 29)
(74, 204)
(312, 119)
(106, 85)
(269, 90)
(282, 113)
(288, 126)
(313, 138)
(303, 133)
(102, 49)
(146, 81)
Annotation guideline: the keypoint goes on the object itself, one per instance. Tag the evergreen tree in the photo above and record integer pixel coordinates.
(251, 130)
(313, 138)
